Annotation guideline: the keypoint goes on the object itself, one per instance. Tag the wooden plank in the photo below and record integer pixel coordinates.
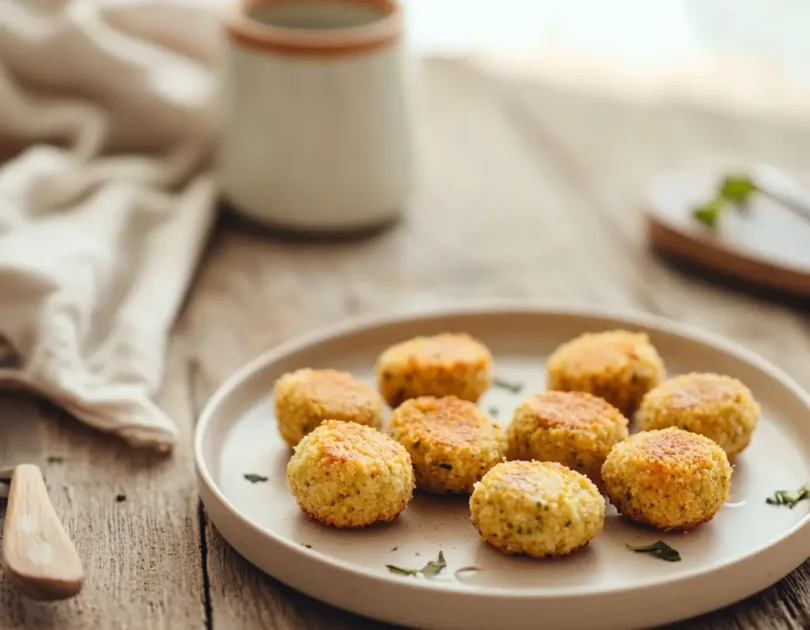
(133, 517)
(524, 191)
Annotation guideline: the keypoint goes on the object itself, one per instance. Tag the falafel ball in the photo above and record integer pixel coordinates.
(307, 397)
(441, 365)
(617, 365)
(670, 479)
(345, 474)
(451, 442)
(719, 407)
(576, 429)
(536, 508)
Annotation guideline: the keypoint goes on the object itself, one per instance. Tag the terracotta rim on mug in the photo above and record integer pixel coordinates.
(383, 32)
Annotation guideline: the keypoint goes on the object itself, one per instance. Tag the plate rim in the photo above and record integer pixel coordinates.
(491, 307)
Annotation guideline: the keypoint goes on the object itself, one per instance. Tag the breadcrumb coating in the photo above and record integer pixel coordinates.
(618, 365)
(451, 442)
(670, 479)
(536, 508)
(306, 397)
(441, 365)
(349, 475)
(576, 429)
(719, 407)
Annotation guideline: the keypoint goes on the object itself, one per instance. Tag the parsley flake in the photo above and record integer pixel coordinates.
(510, 386)
(658, 549)
(785, 497)
(431, 569)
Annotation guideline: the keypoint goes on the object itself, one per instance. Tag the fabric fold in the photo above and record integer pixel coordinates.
(105, 212)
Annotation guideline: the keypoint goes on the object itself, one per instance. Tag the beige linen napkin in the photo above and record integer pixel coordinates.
(105, 209)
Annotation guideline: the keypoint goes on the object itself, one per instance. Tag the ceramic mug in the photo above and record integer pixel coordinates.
(316, 129)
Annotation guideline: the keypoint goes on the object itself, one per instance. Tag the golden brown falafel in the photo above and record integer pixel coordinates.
(576, 429)
(441, 365)
(719, 407)
(536, 508)
(670, 479)
(617, 365)
(349, 475)
(451, 442)
(306, 397)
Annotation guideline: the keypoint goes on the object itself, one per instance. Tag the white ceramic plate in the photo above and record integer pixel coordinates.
(747, 547)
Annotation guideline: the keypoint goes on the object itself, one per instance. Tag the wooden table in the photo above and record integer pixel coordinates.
(525, 191)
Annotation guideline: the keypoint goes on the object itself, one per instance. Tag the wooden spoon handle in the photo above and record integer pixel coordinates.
(40, 560)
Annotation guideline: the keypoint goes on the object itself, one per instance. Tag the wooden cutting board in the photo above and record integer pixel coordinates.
(766, 244)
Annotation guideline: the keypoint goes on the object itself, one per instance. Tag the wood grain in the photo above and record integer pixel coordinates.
(132, 515)
(524, 191)
(39, 559)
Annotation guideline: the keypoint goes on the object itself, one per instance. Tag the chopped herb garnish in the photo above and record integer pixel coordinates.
(785, 497)
(431, 569)
(120, 498)
(434, 567)
(400, 571)
(307, 546)
(708, 213)
(658, 549)
(446, 466)
(252, 478)
(395, 548)
(733, 191)
(515, 388)
(738, 188)
(494, 411)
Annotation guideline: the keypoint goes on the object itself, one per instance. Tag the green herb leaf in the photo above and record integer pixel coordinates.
(494, 411)
(709, 213)
(737, 188)
(658, 549)
(785, 497)
(733, 190)
(254, 478)
(431, 569)
(515, 388)
(434, 567)
(400, 571)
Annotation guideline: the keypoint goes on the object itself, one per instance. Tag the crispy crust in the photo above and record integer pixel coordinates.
(576, 429)
(451, 442)
(619, 366)
(496, 543)
(348, 475)
(536, 508)
(341, 524)
(306, 397)
(441, 365)
(717, 406)
(670, 479)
